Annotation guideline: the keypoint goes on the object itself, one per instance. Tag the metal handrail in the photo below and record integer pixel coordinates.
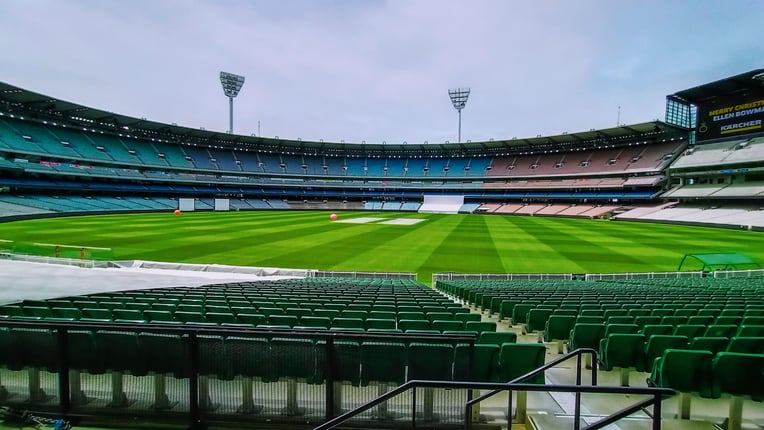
(576, 353)
(656, 393)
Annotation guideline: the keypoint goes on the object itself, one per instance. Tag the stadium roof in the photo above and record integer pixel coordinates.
(727, 86)
(31, 105)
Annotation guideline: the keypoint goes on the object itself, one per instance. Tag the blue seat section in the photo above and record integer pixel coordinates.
(415, 167)
(224, 160)
(435, 167)
(202, 158)
(355, 166)
(455, 167)
(411, 206)
(469, 207)
(334, 166)
(374, 167)
(395, 167)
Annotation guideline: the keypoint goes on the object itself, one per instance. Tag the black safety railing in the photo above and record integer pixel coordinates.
(577, 354)
(199, 369)
(656, 395)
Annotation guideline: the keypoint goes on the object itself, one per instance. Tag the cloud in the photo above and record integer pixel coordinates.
(378, 70)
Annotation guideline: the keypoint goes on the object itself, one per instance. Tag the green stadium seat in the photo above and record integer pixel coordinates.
(347, 362)
(662, 312)
(12, 311)
(249, 357)
(199, 309)
(138, 306)
(750, 331)
(497, 337)
(517, 359)
(352, 323)
(558, 328)
(686, 313)
(674, 320)
(111, 305)
(284, 320)
(357, 313)
(620, 319)
(251, 319)
(658, 343)
(440, 316)
(411, 316)
(740, 376)
(620, 328)
(39, 311)
(299, 312)
(746, 345)
(590, 319)
(95, 313)
(520, 313)
(480, 326)
(586, 335)
(444, 325)
(639, 312)
(726, 330)
(622, 350)
(407, 325)
(384, 324)
(609, 313)
(536, 320)
(82, 354)
(644, 320)
(484, 360)
(700, 320)
(74, 313)
(728, 320)
(165, 354)
(732, 312)
(316, 322)
(753, 320)
(128, 314)
(652, 330)
(213, 361)
(689, 330)
(167, 307)
(220, 317)
(383, 362)
(711, 344)
(466, 317)
(383, 315)
(35, 348)
(593, 312)
(430, 362)
(507, 307)
(188, 317)
(268, 311)
(686, 371)
(120, 352)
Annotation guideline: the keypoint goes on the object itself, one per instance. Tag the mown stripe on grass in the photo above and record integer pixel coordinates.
(466, 248)
(335, 247)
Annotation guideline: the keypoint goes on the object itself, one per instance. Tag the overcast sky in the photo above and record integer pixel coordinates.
(375, 70)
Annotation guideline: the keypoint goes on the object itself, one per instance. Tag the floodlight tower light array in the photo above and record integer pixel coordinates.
(459, 98)
(231, 86)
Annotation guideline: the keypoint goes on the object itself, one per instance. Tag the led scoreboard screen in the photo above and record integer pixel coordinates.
(731, 116)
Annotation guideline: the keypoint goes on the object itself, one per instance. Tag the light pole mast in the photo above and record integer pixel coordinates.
(231, 86)
(459, 98)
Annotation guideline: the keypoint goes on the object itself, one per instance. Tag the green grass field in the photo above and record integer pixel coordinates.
(441, 243)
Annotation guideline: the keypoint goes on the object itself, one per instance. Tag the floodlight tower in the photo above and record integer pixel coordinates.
(459, 98)
(231, 86)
